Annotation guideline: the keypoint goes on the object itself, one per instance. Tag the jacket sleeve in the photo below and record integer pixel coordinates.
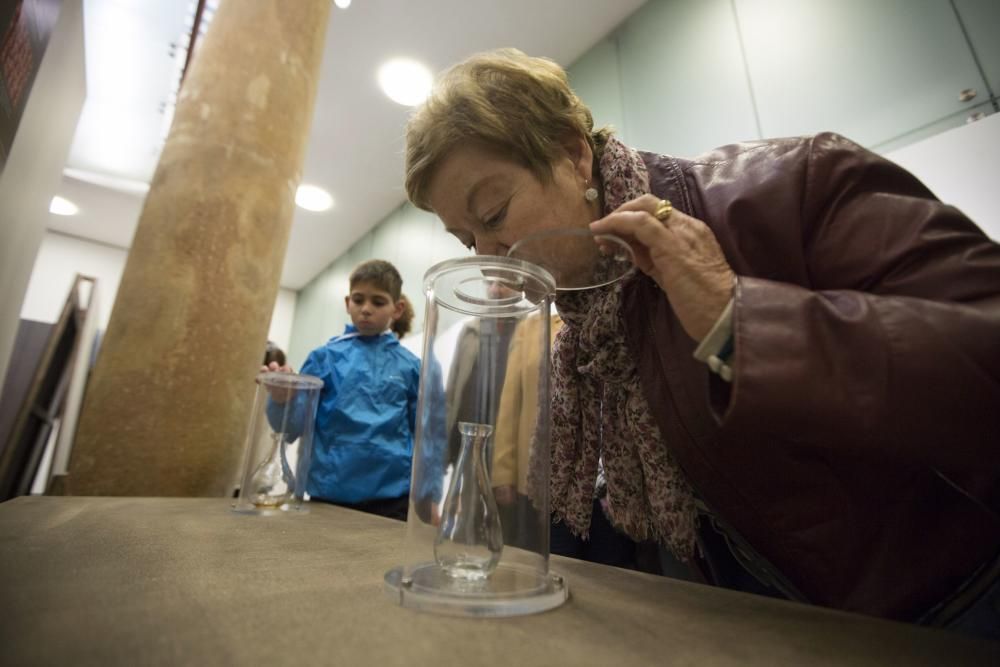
(433, 444)
(894, 343)
(413, 398)
(460, 405)
(508, 416)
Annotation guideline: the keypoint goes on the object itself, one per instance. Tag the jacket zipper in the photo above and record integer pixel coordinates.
(747, 557)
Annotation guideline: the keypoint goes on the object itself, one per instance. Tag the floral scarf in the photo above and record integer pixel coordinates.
(599, 411)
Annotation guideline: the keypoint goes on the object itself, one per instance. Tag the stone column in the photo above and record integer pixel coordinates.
(168, 403)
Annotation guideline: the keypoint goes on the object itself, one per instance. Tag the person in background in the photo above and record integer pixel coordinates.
(516, 422)
(801, 379)
(511, 460)
(477, 371)
(363, 441)
(273, 354)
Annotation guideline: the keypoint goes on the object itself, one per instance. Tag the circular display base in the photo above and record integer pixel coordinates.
(509, 591)
(287, 508)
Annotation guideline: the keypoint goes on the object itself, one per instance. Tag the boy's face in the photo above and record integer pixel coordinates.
(372, 310)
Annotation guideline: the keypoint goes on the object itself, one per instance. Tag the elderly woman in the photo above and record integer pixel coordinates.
(803, 376)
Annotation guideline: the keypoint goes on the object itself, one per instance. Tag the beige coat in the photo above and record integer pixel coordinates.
(519, 405)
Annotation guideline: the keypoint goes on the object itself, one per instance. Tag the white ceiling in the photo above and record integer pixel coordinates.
(355, 147)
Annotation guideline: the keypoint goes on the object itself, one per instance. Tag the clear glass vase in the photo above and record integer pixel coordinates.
(272, 483)
(470, 539)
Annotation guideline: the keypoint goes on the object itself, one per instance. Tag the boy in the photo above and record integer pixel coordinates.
(363, 442)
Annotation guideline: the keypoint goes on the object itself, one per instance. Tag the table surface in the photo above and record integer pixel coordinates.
(186, 581)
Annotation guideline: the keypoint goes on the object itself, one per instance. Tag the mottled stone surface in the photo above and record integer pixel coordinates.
(167, 406)
(185, 581)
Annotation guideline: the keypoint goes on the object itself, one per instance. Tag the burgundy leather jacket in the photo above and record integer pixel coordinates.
(857, 447)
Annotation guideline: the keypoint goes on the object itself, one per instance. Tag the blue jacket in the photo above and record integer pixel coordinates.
(363, 442)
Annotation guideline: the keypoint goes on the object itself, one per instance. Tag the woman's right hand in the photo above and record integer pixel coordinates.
(681, 254)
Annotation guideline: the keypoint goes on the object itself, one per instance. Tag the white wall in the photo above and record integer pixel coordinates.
(33, 169)
(962, 167)
(61, 257)
(282, 318)
(58, 261)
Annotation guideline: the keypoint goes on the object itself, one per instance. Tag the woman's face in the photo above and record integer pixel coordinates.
(489, 202)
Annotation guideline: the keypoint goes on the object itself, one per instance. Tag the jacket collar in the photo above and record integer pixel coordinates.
(387, 337)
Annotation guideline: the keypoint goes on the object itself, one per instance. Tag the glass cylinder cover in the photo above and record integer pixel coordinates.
(477, 535)
(279, 443)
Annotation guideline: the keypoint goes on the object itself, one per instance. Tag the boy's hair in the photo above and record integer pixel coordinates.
(401, 325)
(516, 105)
(381, 274)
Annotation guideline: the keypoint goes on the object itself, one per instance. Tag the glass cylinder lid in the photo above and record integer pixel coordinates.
(489, 286)
(578, 259)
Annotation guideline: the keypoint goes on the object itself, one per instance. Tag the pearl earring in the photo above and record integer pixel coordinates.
(590, 194)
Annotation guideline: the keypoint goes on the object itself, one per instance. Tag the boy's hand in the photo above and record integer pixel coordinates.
(277, 394)
(273, 366)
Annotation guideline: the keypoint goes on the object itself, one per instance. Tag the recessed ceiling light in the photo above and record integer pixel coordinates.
(405, 81)
(61, 206)
(313, 198)
(343, 4)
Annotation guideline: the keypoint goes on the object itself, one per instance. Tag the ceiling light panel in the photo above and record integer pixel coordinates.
(313, 198)
(60, 206)
(405, 81)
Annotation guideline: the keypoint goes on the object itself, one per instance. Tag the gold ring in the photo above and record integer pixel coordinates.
(663, 210)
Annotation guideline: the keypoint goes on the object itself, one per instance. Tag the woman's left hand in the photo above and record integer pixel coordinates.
(681, 254)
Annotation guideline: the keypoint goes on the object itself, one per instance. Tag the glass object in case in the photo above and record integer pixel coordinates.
(470, 539)
(279, 443)
(477, 534)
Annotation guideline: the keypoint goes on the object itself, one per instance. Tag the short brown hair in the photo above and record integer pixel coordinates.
(379, 273)
(513, 103)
